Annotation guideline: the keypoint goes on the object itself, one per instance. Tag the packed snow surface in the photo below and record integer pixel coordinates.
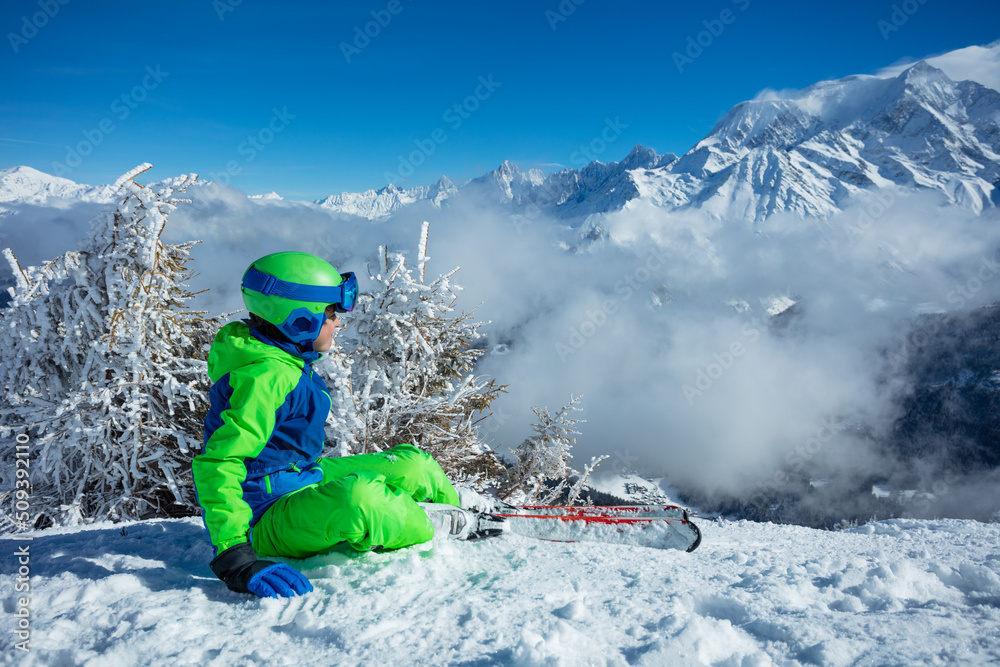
(900, 592)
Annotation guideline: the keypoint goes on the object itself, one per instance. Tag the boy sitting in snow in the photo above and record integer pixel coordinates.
(261, 483)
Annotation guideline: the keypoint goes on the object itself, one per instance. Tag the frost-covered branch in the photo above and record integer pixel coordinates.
(411, 362)
(542, 470)
(104, 373)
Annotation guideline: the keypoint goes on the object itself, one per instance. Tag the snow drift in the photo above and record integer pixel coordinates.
(896, 592)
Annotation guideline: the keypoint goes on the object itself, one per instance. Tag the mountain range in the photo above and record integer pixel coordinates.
(806, 153)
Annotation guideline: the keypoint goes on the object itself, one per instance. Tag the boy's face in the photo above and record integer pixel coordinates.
(324, 341)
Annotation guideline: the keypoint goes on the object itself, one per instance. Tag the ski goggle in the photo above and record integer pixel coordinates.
(343, 296)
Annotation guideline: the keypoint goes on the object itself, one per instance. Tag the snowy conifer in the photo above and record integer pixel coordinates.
(344, 426)
(103, 369)
(542, 470)
(412, 368)
(582, 477)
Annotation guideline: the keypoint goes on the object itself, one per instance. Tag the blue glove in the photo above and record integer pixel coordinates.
(243, 572)
(279, 581)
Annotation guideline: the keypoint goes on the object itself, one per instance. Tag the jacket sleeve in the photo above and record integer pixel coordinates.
(219, 471)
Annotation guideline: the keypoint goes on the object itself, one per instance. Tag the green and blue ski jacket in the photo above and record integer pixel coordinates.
(263, 433)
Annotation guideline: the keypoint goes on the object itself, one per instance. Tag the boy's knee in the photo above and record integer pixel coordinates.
(410, 456)
(407, 451)
(362, 488)
(421, 475)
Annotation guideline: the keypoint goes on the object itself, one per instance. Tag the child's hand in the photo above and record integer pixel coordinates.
(240, 568)
(279, 580)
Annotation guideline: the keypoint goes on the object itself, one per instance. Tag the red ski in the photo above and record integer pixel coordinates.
(662, 526)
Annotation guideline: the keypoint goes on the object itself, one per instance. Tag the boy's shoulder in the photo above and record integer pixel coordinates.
(236, 350)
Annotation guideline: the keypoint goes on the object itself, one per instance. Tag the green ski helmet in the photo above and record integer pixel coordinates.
(291, 290)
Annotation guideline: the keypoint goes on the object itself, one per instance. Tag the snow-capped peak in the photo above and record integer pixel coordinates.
(809, 151)
(441, 191)
(507, 184)
(641, 157)
(507, 170)
(376, 204)
(25, 185)
(270, 196)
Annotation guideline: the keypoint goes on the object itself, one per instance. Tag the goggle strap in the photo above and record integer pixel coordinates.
(268, 285)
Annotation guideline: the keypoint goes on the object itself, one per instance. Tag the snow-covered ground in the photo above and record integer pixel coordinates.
(900, 592)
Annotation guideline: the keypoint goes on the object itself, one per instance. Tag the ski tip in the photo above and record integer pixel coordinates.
(697, 538)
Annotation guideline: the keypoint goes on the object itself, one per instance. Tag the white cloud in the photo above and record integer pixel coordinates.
(974, 63)
(635, 323)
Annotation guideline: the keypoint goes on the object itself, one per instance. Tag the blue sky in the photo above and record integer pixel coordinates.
(267, 97)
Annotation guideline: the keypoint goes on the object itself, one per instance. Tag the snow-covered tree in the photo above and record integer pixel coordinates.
(103, 371)
(344, 426)
(542, 470)
(412, 370)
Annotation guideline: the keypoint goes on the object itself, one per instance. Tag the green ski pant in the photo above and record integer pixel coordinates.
(368, 500)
